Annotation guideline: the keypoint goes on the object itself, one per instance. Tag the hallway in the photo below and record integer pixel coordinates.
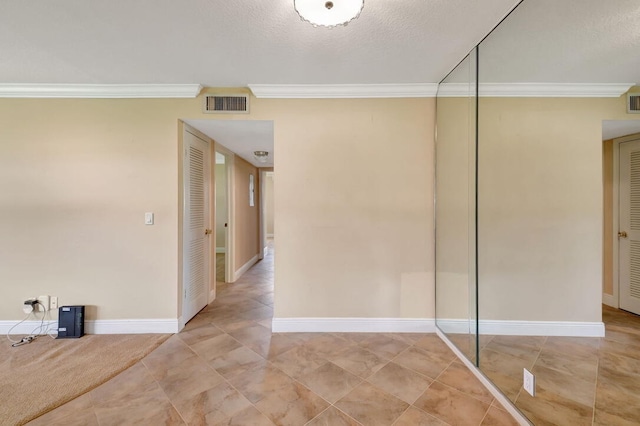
(227, 368)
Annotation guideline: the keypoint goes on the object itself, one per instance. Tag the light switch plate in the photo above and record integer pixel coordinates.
(148, 218)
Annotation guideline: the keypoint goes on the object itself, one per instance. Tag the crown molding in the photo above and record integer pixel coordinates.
(536, 90)
(99, 90)
(329, 91)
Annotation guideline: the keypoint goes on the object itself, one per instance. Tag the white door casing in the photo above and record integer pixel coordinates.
(196, 225)
(629, 226)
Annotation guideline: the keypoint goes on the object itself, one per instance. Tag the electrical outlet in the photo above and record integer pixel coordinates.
(529, 382)
(43, 305)
(53, 303)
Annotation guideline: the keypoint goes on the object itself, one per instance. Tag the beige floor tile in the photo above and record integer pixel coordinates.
(581, 347)
(461, 378)
(237, 361)
(509, 385)
(327, 345)
(579, 367)
(620, 381)
(372, 406)
(621, 363)
(188, 378)
(333, 417)
(248, 416)
(173, 351)
(498, 417)
(298, 361)
(197, 334)
(330, 381)
(433, 344)
(551, 409)
(259, 382)
(135, 379)
(215, 347)
(416, 417)
(400, 382)
(566, 385)
(423, 362)
(216, 405)
(617, 348)
(613, 402)
(526, 348)
(359, 361)
(383, 345)
(451, 405)
(509, 365)
(292, 405)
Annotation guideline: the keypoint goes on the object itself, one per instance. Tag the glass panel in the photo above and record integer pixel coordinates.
(455, 206)
(549, 75)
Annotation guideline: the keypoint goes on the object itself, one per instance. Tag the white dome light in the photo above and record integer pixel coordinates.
(328, 13)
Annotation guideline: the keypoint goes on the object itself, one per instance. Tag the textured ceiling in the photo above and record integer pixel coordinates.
(569, 41)
(234, 43)
(240, 136)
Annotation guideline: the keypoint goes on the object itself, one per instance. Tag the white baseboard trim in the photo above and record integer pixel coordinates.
(132, 326)
(26, 327)
(503, 400)
(221, 249)
(353, 325)
(524, 328)
(610, 300)
(244, 268)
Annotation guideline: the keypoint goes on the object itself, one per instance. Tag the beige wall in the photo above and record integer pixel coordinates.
(221, 204)
(268, 204)
(607, 224)
(541, 207)
(353, 208)
(246, 218)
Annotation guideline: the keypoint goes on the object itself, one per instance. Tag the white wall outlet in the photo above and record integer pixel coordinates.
(43, 305)
(529, 382)
(53, 303)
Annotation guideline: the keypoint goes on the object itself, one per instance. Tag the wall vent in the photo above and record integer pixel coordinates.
(633, 103)
(226, 104)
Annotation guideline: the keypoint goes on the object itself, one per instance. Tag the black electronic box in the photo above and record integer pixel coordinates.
(70, 322)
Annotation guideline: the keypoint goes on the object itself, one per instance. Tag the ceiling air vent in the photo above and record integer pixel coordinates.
(633, 103)
(226, 104)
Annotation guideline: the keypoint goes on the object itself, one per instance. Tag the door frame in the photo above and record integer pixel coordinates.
(229, 258)
(614, 299)
(182, 129)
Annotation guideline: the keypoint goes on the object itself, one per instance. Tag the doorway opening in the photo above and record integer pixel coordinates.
(222, 214)
(621, 217)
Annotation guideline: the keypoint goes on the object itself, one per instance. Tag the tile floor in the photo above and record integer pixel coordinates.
(228, 368)
(580, 380)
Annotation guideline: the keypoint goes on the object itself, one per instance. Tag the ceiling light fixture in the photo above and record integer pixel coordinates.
(261, 156)
(328, 13)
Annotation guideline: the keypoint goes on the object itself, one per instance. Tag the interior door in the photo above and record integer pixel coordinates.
(196, 232)
(629, 232)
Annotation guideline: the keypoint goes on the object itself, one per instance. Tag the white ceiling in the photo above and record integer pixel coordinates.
(616, 128)
(235, 43)
(240, 136)
(241, 42)
(575, 41)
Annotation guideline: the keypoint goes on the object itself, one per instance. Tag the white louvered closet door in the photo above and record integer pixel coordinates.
(196, 232)
(629, 232)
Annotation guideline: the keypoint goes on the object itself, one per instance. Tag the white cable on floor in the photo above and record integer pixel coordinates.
(11, 329)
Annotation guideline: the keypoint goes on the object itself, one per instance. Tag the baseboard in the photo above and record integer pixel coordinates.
(244, 268)
(221, 249)
(26, 327)
(502, 399)
(269, 235)
(353, 325)
(609, 300)
(524, 328)
(132, 326)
